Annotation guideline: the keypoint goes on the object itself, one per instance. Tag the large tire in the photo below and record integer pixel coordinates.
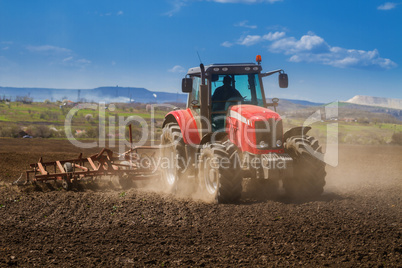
(172, 150)
(308, 178)
(219, 172)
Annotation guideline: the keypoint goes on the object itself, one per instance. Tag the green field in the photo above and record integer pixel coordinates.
(48, 121)
(351, 132)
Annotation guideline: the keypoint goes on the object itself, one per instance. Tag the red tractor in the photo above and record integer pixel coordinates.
(228, 134)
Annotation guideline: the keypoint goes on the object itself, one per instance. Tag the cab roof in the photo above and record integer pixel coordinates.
(229, 68)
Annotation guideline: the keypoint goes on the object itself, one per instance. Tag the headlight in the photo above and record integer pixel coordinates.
(263, 144)
(278, 143)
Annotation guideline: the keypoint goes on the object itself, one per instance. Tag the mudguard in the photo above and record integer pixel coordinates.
(187, 124)
(296, 131)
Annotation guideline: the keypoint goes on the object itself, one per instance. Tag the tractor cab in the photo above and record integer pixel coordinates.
(214, 88)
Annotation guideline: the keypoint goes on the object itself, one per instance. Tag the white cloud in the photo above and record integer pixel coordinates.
(249, 40)
(227, 44)
(5, 45)
(290, 45)
(59, 56)
(177, 5)
(313, 48)
(273, 36)
(387, 6)
(108, 14)
(48, 49)
(177, 69)
(72, 62)
(245, 25)
(67, 59)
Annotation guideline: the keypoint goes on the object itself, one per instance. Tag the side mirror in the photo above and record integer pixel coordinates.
(187, 85)
(283, 80)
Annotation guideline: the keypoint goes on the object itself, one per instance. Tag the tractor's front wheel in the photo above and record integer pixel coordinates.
(308, 178)
(219, 172)
(173, 156)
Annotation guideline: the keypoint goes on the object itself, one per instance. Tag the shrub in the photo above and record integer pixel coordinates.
(10, 131)
(49, 115)
(89, 117)
(92, 132)
(39, 131)
(397, 138)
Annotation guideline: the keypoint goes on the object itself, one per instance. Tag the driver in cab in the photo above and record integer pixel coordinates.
(223, 94)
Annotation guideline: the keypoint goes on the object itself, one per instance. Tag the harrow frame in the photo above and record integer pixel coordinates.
(97, 165)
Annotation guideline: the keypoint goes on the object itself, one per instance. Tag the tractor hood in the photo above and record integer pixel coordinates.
(255, 129)
(249, 114)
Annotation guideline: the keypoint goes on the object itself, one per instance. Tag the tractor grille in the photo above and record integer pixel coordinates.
(267, 133)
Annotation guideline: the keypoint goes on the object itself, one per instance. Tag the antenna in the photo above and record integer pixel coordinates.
(199, 57)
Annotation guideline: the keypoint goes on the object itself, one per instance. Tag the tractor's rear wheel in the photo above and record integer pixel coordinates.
(173, 156)
(308, 178)
(219, 172)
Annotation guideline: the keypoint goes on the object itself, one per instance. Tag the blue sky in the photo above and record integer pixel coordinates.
(332, 50)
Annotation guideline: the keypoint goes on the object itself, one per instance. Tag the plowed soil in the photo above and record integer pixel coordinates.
(356, 222)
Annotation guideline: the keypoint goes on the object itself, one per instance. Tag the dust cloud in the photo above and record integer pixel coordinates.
(365, 168)
(361, 169)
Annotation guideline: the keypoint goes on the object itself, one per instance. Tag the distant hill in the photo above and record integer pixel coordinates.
(286, 105)
(304, 102)
(295, 108)
(100, 94)
(357, 107)
(376, 101)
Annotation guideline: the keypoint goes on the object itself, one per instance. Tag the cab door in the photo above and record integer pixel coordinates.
(193, 103)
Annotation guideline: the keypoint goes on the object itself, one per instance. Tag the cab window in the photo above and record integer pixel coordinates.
(195, 96)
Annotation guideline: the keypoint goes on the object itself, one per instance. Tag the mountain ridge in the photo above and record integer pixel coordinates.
(376, 101)
(99, 94)
(143, 95)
